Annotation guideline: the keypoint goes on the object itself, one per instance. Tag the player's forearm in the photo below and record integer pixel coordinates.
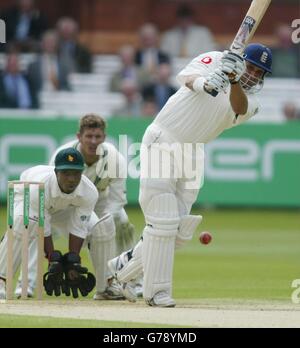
(75, 243)
(48, 246)
(238, 99)
(195, 83)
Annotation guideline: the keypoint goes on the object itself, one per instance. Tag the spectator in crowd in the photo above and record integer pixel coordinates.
(286, 54)
(25, 25)
(133, 100)
(48, 72)
(290, 111)
(15, 90)
(161, 90)
(187, 39)
(71, 51)
(149, 56)
(149, 108)
(128, 70)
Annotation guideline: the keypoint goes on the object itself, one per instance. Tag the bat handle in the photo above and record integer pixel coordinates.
(212, 92)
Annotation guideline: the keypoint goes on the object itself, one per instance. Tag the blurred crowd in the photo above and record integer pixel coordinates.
(145, 74)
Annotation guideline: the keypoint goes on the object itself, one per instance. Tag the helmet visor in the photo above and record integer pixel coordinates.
(250, 83)
(252, 80)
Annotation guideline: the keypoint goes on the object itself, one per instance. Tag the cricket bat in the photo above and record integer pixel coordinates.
(248, 27)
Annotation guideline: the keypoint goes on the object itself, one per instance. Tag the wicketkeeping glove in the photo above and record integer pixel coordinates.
(76, 276)
(217, 81)
(233, 65)
(54, 279)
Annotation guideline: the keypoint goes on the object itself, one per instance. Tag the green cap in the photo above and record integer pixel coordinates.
(69, 158)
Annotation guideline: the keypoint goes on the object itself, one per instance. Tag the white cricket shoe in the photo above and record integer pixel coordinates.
(161, 299)
(114, 288)
(129, 291)
(112, 292)
(103, 296)
(18, 291)
(2, 290)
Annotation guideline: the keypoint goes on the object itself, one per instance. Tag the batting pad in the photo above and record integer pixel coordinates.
(187, 227)
(134, 267)
(159, 243)
(102, 249)
(158, 259)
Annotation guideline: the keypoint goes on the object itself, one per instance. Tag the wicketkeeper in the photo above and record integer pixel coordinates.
(70, 199)
(106, 168)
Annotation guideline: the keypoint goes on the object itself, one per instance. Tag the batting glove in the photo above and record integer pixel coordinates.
(217, 81)
(233, 65)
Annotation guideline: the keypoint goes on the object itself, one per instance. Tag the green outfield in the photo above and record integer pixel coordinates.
(254, 255)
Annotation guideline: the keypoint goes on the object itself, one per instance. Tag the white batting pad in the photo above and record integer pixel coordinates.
(102, 249)
(158, 259)
(162, 211)
(134, 267)
(187, 227)
(159, 243)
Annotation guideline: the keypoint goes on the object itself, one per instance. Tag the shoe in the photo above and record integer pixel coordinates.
(161, 299)
(114, 288)
(129, 291)
(107, 295)
(2, 290)
(18, 291)
(112, 292)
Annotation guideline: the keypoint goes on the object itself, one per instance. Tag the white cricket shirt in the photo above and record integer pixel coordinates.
(82, 200)
(197, 117)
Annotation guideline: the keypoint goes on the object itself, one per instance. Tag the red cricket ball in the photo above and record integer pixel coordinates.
(205, 237)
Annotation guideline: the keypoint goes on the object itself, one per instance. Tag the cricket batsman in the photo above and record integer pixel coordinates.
(194, 115)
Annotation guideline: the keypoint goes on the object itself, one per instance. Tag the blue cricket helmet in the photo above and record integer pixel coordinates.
(259, 55)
